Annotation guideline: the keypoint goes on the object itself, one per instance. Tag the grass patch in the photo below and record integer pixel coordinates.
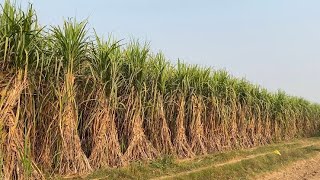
(251, 167)
(169, 166)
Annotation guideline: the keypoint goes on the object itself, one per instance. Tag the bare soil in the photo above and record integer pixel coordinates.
(302, 170)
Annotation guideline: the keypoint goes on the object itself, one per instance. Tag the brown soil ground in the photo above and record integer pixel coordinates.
(302, 170)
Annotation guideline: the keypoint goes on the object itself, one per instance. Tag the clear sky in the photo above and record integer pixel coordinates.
(275, 43)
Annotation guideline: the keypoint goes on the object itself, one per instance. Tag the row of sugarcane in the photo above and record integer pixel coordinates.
(71, 103)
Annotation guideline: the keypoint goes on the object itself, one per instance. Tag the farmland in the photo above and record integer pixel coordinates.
(72, 104)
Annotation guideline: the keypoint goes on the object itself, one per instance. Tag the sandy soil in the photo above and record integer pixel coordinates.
(301, 170)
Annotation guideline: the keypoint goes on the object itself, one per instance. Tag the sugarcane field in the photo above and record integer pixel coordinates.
(76, 104)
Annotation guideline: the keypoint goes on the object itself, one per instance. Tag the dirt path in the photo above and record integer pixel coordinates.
(301, 170)
(315, 171)
(209, 167)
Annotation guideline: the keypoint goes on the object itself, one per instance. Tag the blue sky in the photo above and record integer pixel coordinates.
(274, 43)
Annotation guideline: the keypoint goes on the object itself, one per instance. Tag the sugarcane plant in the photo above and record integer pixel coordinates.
(156, 123)
(71, 43)
(133, 89)
(105, 70)
(19, 37)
